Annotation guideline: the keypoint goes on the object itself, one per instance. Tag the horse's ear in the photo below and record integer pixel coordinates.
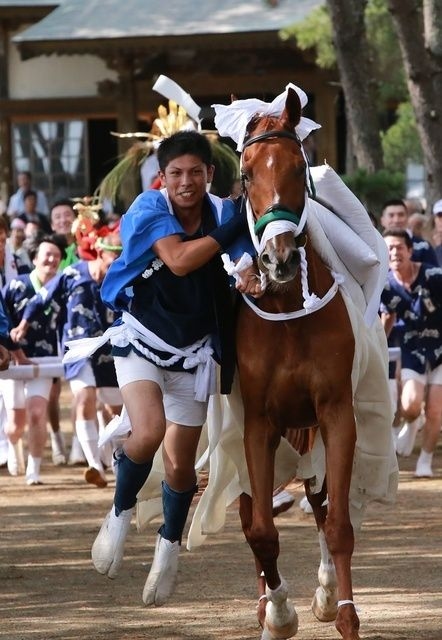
(233, 98)
(291, 115)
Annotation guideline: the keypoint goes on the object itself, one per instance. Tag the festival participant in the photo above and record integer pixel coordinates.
(180, 308)
(76, 291)
(413, 294)
(26, 401)
(395, 216)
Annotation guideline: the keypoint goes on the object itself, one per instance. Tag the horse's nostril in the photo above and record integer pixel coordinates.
(265, 259)
(294, 259)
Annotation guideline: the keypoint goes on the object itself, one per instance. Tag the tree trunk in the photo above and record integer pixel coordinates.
(418, 24)
(354, 63)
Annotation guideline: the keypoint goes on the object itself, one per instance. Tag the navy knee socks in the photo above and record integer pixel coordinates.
(130, 477)
(176, 505)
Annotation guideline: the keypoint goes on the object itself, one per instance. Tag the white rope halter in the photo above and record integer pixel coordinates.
(311, 302)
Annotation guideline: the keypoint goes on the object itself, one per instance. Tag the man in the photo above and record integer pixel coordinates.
(437, 230)
(413, 295)
(395, 216)
(30, 213)
(16, 201)
(76, 292)
(180, 308)
(26, 401)
(61, 217)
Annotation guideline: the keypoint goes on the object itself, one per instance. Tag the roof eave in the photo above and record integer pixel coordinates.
(136, 44)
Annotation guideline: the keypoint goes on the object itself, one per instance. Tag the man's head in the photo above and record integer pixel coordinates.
(24, 180)
(62, 217)
(400, 248)
(394, 214)
(30, 201)
(186, 168)
(108, 248)
(47, 255)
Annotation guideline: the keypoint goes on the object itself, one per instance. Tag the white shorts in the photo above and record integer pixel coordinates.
(429, 377)
(16, 392)
(86, 378)
(177, 388)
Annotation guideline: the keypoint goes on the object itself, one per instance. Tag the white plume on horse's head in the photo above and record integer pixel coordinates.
(231, 120)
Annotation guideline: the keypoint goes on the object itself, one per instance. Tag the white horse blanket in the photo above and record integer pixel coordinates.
(350, 245)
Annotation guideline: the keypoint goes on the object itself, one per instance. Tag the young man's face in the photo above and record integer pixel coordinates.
(398, 252)
(186, 179)
(62, 217)
(47, 261)
(395, 216)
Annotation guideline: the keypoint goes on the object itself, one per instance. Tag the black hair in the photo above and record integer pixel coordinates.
(394, 202)
(57, 239)
(184, 143)
(66, 202)
(399, 233)
(29, 193)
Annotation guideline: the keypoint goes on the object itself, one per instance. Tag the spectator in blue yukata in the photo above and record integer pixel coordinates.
(413, 295)
(26, 401)
(82, 314)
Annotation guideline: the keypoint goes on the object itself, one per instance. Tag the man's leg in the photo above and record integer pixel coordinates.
(179, 487)
(144, 404)
(412, 397)
(431, 431)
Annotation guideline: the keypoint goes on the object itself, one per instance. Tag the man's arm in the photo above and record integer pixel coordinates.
(388, 320)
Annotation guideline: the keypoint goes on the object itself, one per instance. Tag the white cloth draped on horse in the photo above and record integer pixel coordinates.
(350, 245)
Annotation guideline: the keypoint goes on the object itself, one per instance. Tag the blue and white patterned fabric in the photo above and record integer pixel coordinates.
(419, 310)
(82, 315)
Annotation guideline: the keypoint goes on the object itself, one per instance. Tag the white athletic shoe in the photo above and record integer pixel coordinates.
(407, 437)
(305, 505)
(76, 456)
(282, 501)
(16, 460)
(108, 548)
(423, 465)
(58, 448)
(161, 581)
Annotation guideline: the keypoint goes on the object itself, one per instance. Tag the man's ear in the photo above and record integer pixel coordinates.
(210, 172)
(162, 177)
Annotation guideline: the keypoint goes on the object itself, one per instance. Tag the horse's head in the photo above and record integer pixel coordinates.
(273, 173)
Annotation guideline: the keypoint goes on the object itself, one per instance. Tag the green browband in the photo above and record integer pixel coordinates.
(102, 244)
(275, 214)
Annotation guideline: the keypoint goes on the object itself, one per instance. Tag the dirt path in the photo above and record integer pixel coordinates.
(48, 588)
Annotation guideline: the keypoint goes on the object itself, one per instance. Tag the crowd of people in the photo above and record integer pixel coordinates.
(50, 287)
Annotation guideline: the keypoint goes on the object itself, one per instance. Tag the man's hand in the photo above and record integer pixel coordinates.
(4, 358)
(250, 282)
(19, 332)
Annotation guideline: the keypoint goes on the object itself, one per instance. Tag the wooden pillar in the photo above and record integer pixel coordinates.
(127, 121)
(325, 108)
(5, 123)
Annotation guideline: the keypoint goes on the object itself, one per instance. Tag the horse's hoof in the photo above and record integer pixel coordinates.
(271, 632)
(324, 605)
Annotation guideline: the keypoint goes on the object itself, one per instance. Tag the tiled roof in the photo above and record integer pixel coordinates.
(110, 19)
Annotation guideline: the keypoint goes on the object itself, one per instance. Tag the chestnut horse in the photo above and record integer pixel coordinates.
(295, 357)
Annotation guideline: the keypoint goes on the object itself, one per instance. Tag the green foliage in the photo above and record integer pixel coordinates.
(373, 189)
(385, 52)
(314, 32)
(400, 143)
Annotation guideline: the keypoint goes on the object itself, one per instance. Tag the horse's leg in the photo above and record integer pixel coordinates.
(245, 512)
(339, 434)
(324, 603)
(281, 620)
